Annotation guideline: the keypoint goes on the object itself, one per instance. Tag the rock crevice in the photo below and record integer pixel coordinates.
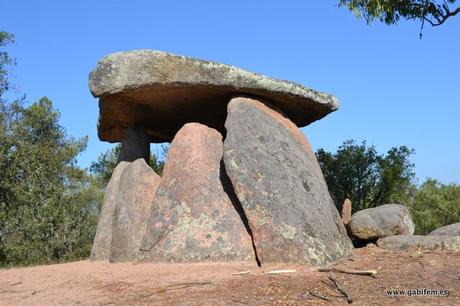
(228, 189)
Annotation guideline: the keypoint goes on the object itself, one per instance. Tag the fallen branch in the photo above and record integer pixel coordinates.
(14, 284)
(282, 271)
(177, 287)
(241, 273)
(341, 289)
(355, 272)
(319, 296)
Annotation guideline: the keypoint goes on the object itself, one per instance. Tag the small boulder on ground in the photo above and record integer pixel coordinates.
(280, 185)
(386, 220)
(138, 185)
(194, 217)
(103, 238)
(424, 243)
(448, 230)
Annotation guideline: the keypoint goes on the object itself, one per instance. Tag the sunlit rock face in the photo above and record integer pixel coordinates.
(281, 188)
(194, 216)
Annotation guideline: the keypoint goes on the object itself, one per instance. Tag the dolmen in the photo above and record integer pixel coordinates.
(241, 182)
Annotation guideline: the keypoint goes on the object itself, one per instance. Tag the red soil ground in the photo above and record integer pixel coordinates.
(88, 283)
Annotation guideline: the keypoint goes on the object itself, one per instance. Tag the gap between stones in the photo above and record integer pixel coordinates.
(228, 189)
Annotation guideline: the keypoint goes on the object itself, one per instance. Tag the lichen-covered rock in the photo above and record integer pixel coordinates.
(280, 185)
(386, 220)
(137, 188)
(424, 243)
(103, 238)
(448, 230)
(194, 217)
(147, 88)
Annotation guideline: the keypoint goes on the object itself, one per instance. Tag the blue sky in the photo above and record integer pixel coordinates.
(394, 88)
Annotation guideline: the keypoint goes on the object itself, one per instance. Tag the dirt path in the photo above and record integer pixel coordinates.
(87, 283)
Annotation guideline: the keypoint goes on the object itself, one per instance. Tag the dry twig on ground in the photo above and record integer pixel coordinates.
(319, 296)
(241, 273)
(282, 271)
(178, 286)
(355, 272)
(341, 289)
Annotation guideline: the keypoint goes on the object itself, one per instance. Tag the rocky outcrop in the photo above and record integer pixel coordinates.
(424, 243)
(194, 216)
(278, 181)
(448, 230)
(103, 238)
(386, 220)
(137, 188)
(161, 92)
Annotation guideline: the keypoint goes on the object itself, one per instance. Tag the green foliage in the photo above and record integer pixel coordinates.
(5, 61)
(48, 206)
(368, 179)
(157, 161)
(106, 162)
(391, 11)
(102, 169)
(435, 205)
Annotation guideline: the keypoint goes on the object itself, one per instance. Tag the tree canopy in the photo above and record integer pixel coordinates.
(435, 205)
(391, 11)
(5, 61)
(106, 162)
(368, 179)
(48, 205)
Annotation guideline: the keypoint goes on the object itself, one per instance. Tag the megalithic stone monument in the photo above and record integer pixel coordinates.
(241, 181)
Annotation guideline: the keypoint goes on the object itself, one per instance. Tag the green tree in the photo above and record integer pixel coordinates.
(391, 11)
(106, 162)
(368, 179)
(435, 205)
(48, 206)
(5, 61)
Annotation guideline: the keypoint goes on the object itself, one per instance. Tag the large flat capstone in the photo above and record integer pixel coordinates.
(162, 92)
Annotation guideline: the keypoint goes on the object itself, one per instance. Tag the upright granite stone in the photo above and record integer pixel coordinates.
(135, 145)
(280, 185)
(161, 92)
(103, 238)
(346, 211)
(386, 220)
(195, 217)
(448, 230)
(137, 188)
